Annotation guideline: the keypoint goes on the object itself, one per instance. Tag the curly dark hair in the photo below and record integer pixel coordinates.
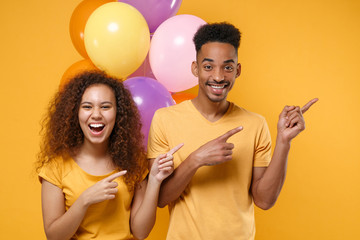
(217, 32)
(62, 135)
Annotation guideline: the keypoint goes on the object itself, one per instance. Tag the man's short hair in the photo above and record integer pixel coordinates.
(217, 32)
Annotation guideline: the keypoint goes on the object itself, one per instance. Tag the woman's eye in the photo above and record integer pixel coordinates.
(86, 107)
(106, 107)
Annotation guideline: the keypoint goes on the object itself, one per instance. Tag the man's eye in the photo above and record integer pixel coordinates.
(229, 68)
(207, 67)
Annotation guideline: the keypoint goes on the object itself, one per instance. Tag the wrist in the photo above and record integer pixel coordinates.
(282, 141)
(194, 162)
(153, 180)
(84, 201)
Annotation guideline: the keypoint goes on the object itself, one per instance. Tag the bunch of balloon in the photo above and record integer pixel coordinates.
(115, 37)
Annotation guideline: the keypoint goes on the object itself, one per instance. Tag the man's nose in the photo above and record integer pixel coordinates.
(218, 75)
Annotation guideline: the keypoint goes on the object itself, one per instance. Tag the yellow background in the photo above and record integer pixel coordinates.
(291, 51)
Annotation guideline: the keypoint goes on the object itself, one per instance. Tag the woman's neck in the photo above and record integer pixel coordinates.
(94, 159)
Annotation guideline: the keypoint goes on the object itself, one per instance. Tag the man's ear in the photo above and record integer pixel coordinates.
(238, 70)
(194, 69)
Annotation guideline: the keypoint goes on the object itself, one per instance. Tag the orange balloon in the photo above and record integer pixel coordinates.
(75, 69)
(180, 97)
(78, 21)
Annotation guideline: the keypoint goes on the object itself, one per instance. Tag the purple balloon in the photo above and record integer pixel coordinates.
(155, 11)
(149, 95)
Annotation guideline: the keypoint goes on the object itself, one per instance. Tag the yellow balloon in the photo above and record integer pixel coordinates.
(117, 38)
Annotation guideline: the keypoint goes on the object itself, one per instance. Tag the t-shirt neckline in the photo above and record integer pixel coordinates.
(206, 120)
(74, 163)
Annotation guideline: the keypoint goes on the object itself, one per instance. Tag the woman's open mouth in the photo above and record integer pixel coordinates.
(96, 127)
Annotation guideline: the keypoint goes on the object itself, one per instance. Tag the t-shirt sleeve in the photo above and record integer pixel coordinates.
(157, 141)
(262, 156)
(51, 172)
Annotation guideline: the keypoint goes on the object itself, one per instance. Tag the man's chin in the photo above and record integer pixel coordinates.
(216, 99)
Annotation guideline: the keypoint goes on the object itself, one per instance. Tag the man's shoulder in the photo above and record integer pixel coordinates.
(174, 109)
(246, 113)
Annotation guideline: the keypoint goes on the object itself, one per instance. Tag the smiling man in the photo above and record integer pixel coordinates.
(225, 165)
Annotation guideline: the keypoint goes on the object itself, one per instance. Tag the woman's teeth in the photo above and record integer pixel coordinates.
(97, 127)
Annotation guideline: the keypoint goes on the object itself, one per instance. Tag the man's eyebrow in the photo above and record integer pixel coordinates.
(207, 60)
(211, 60)
(229, 61)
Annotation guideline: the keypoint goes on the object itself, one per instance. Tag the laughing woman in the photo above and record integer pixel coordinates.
(92, 164)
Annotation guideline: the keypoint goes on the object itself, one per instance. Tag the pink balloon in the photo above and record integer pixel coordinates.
(172, 51)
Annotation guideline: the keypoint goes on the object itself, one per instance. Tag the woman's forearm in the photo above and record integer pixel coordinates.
(66, 225)
(143, 220)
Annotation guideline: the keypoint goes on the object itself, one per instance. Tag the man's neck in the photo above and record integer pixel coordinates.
(212, 111)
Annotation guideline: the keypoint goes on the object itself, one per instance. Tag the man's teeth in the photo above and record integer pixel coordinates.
(217, 86)
(96, 125)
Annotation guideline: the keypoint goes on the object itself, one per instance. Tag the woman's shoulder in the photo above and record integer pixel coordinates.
(55, 169)
(59, 162)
